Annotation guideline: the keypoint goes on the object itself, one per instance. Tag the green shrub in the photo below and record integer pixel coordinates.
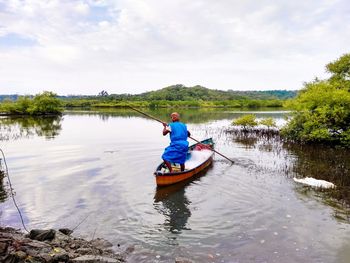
(246, 121)
(269, 122)
(322, 108)
(44, 103)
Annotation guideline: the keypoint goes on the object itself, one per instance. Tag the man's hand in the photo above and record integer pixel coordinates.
(166, 129)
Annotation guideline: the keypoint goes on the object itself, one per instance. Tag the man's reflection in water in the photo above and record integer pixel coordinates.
(172, 202)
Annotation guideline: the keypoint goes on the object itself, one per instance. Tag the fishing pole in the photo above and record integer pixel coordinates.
(11, 191)
(154, 118)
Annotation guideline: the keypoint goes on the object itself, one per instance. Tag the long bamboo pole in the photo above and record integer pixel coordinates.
(154, 118)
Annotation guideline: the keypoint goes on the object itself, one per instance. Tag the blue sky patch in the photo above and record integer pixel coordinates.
(99, 13)
(16, 40)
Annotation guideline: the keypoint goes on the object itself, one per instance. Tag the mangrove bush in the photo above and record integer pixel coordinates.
(246, 121)
(322, 108)
(42, 104)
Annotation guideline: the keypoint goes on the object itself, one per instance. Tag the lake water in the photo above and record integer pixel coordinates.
(96, 169)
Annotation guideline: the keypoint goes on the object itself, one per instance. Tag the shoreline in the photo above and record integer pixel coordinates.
(55, 246)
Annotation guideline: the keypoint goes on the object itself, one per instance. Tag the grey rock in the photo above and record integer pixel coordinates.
(37, 244)
(93, 259)
(183, 260)
(15, 247)
(84, 251)
(73, 246)
(64, 257)
(101, 243)
(32, 252)
(10, 259)
(60, 239)
(65, 231)
(42, 235)
(21, 255)
(46, 257)
(73, 255)
(61, 236)
(3, 246)
(59, 255)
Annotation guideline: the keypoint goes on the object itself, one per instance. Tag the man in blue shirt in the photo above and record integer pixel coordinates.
(177, 150)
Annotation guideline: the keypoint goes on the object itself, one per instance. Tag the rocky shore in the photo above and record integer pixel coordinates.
(55, 246)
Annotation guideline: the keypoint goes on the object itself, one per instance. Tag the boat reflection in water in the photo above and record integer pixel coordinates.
(172, 202)
(174, 207)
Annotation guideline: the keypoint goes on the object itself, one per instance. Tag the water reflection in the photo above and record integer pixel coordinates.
(3, 194)
(188, 116)
(257, 136)
(325, 163)
(247, 212)
(296, 160)
(194, 116)
(172, 202)
(12, 128)
(322, 162)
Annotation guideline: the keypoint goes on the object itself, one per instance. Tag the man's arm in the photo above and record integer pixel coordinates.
(166, 129)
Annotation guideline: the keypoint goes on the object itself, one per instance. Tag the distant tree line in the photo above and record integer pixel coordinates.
(246, 103)
(182, 96)
(11, 97)
(40, 104)
(172, 96)
(180, 92)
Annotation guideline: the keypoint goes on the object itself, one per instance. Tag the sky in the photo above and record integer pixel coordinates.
(132, 46)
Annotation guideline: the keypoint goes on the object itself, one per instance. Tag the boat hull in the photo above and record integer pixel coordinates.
(163, 179)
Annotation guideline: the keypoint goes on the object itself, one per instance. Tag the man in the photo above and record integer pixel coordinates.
(177, 150)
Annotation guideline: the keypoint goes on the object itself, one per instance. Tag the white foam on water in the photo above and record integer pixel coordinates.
(197, 157)
(314, 182)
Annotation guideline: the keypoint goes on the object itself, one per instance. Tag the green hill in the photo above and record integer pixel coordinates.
(180, 96)
(182, 93)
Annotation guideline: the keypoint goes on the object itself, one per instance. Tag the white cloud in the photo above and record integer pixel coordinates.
(133, 46)
(60, 53)
(81, 8)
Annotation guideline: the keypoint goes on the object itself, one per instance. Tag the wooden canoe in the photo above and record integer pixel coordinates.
(165, 178)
